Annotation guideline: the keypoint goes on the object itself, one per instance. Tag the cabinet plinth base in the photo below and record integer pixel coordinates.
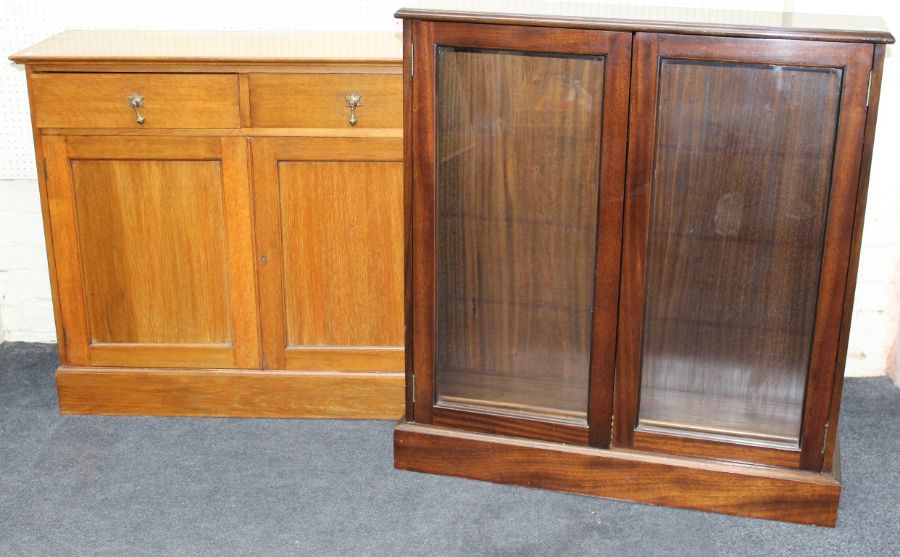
(688, 483)
(230, 393)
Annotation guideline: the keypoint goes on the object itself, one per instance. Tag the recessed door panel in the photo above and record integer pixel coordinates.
(152, 237)
(341, 226)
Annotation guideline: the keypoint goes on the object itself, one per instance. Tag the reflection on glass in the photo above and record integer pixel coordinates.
(739, 198)
(518, 159)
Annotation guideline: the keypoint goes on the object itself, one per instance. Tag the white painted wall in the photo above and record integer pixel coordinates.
(26, 311)
(875, 334)
(895, 372)
(25, 307)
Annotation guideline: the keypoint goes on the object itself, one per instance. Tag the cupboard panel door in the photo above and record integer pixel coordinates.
(158, 262)
(523, 211)
(330, 241)
(736, 253)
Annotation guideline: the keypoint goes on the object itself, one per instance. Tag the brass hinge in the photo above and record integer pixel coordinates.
(412, 59)
(413, 381)
(825, 441)
(44, 168)
(869, 89)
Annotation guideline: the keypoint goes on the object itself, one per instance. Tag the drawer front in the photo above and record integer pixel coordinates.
(320, 100)
(101, 100)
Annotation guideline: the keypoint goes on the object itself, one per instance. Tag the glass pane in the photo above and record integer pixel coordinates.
(739, 198)
(518, 161)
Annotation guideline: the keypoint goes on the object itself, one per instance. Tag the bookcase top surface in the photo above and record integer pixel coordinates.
(218, 46)
(693, 21)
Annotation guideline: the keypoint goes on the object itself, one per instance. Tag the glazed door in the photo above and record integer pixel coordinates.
(742, 174)
(517, 197)
(329, 234)
(154, 258)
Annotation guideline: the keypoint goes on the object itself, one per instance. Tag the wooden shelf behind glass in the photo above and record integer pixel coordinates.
(735, 419)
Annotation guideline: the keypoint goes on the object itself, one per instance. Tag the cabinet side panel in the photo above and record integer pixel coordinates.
(39, 155)
(858, 222)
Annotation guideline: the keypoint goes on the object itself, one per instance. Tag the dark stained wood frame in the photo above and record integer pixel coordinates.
(616, 49)
(408, 143)
(857, 29)
(687, 483)
(649, 50)
(831, 456)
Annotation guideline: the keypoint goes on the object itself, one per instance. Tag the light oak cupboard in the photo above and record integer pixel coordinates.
(224, 230)
(634, 245)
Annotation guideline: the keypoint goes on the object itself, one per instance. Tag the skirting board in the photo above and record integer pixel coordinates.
(230, 393)
(682, 482)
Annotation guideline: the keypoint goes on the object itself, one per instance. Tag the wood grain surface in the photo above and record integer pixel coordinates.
(45, 214)
(802, 497)
(156, 259)
(830, 460)
(298, 49)
(342, 220)
(230, 393)
(155, 223)
(317, 100)
(330, 252)
(100, 100)
(628, 17)
(168, 216)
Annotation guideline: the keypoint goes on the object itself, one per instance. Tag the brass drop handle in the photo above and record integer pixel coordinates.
(136, 102)
(352, 103)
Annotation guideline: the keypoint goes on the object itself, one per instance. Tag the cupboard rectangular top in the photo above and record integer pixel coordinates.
(691, 21)
(218, 46)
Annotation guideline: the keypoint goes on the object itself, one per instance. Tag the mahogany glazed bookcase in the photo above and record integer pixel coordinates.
(632, 250)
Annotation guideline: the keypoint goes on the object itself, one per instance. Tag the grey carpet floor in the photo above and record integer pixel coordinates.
(96, 485)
